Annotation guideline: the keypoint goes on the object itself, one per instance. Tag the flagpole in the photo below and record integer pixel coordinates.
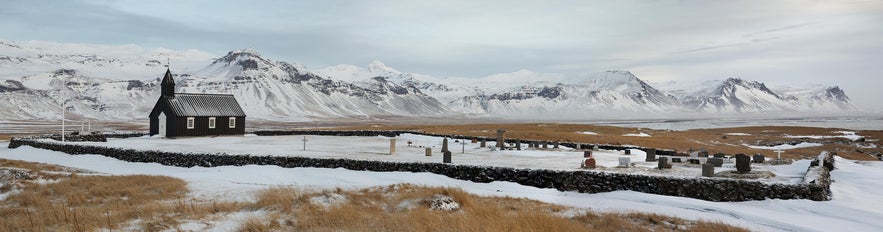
(63, 84)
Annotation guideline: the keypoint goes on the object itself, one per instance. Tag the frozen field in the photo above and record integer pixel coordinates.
(377, 148)
(856, 204)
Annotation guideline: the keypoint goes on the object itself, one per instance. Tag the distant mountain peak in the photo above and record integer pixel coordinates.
(378, 67)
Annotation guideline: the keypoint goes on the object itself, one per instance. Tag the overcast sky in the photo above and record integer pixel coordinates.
(776, 42)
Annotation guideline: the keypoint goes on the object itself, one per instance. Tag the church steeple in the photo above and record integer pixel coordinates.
(168, 85)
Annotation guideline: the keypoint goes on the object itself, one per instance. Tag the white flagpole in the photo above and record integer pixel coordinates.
(64, 83)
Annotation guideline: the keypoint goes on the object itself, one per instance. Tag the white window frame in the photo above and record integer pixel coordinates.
(232, 122)
(211, 122)
(191, 122)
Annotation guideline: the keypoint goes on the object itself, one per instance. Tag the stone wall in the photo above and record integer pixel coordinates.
(711, 189)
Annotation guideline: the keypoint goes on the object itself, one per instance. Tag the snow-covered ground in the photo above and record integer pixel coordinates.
(377, 148)
(786, 146)
(855, 205)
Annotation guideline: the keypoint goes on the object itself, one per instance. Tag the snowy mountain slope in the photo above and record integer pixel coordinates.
(270, 89)
(115, 62)
(738, 95)
(120, 82)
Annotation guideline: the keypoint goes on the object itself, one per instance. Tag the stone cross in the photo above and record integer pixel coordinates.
(779, 152)
(392, 146)
(305, 142)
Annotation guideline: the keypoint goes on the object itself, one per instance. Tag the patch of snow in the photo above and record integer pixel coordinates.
(587, 133)
(642, 134)
(328, 199)
(738, 134)
(443, 203)
(846, 134)
(785, 146)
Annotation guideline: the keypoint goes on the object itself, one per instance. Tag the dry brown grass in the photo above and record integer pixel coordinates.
(714, 140)
(404, 207)
(50, 200)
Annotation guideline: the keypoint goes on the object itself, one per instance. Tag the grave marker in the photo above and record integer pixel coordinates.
(743, 163)
(444, 145)
(717, 162)
(625, 162)
(555, 144)
(518, 145)
(675, 160)
(428, 151)
(628, 151)
(446, 158)
(587, 154)
(392, 146)
(720, 155)
(545, 145)
(500, 142)
(663, 163)
(758, 158)
(483, 144)
(589, 163)
(708, 170)
(651, 155)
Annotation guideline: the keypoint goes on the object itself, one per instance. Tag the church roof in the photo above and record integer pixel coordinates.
(189, 105)
(167, 79)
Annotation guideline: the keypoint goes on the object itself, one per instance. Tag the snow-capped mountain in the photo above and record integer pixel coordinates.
(738, 95)
(122, 82)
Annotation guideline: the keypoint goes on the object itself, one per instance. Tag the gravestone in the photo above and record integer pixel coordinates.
(555, 144)
(545, 145)
(392, 146)
(743, 163)
(587, 154)
(518, 145)
(663, 163)
(703, 154)
(694, 155)
(675, 160)
(483, 144)
(717, 162)
(444, 145)
(428, 151)
(500, 142)
(625, 162)
(589, 163)
(474, 140)
(693, 161)
(595, 148)
(577, 146)
(708, 170)
(446, 158)
(758, 158)
(628, 151)
(720, 155)
(651, 155)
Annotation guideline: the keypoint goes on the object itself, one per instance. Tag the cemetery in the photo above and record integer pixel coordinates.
(545, 164)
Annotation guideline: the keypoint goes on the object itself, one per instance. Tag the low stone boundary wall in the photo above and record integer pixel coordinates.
(711, 189)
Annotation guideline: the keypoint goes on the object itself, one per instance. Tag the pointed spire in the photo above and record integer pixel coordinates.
(168, 85)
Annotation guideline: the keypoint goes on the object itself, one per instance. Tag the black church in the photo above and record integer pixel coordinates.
(187, 114)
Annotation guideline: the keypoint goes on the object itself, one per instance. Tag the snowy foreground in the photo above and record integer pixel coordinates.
(856, 204)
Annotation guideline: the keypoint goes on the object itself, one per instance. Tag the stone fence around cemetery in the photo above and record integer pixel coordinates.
(712, 189)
